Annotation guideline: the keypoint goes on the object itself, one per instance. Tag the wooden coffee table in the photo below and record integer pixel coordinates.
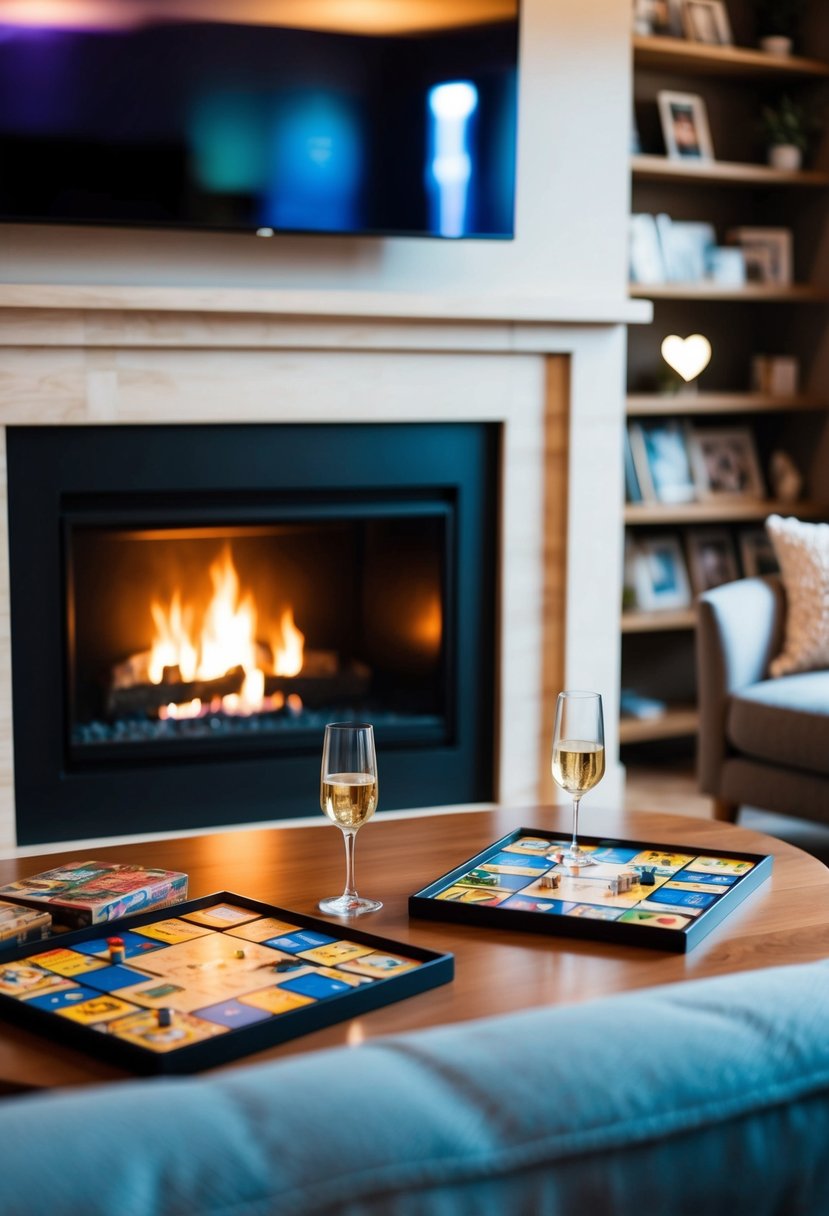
(785, 921)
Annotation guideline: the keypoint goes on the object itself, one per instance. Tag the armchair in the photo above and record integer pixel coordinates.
(763, 742)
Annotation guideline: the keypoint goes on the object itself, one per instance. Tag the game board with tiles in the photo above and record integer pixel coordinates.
(220, 978)
(635, 892)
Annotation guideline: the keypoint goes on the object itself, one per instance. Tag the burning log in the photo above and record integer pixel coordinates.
(145, 698)
(330, 686)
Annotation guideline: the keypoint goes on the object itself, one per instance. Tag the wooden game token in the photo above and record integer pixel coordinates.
(117, 953)
(164, 1017)
(239, 954)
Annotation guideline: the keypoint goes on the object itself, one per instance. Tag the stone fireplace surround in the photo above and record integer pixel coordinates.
(550, 372)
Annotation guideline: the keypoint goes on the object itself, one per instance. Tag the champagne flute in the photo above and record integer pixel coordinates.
(348, 796)
(578, 755)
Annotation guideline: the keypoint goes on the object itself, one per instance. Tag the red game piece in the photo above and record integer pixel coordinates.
(117, 953)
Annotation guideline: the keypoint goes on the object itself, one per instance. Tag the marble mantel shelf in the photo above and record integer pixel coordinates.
(540, 309)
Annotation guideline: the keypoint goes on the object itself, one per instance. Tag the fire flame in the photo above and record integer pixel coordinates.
(227, 640)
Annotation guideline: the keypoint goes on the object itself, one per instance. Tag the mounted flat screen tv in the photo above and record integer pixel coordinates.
(340, 116)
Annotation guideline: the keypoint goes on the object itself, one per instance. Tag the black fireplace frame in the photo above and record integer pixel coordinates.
(53, 471)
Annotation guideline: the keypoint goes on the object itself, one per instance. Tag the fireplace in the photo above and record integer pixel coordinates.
(191, 604)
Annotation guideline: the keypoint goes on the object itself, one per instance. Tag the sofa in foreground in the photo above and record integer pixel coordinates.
(703, 1098)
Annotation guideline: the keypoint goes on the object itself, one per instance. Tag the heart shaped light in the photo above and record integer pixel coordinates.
(689, 357)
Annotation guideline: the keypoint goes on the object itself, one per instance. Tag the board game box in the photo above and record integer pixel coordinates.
(637, 892)
(217, 978)
(19, 925)
(92, 892)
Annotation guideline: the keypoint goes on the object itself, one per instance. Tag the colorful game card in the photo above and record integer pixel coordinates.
(26, 978)
(223, 916)
(472, 895)
(143, 1029)
(633, 891)
(173, 930)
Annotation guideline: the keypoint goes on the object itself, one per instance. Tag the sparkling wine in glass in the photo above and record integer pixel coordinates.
(578, 755)
(348, 796)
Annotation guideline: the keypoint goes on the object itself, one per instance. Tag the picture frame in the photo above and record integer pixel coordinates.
(662, 461)
(768, 253)
(685, 130)
(660, 575)
(757, 555)
(725, 463)
(712, 558)
(706, 21)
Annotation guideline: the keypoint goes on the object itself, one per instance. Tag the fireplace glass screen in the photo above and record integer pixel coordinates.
(254, 636)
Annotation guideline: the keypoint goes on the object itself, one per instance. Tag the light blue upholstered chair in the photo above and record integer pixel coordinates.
(763, 742)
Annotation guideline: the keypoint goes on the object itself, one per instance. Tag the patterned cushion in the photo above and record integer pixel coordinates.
(802, 551)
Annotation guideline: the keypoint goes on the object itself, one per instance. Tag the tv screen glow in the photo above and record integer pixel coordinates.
(210, 114)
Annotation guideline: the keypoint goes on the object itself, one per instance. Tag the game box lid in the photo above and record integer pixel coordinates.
(93, 892)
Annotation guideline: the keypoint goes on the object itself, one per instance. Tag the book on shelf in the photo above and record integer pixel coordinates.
(93, 892)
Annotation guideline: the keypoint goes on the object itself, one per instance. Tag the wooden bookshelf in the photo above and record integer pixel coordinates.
(648, 167)
(793, 293)
(637, 621)
(681, 55)
(716, 511)
(644, 405)
(675, 723)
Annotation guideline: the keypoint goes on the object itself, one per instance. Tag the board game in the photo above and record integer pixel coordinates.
(640, 893)
(216, 978)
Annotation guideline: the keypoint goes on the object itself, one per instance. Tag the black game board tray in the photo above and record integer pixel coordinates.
(693, 890)
(224, 1004)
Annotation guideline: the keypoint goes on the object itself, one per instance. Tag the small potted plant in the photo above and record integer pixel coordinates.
(778, 22)
(788, 129)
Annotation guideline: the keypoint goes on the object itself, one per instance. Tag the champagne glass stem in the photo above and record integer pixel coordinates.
(349, 839)
(574, 847)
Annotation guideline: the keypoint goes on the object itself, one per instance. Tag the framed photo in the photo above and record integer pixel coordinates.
(684, 120)
(660, 456)
(660, 575)
(712, 559)
(706, 21)
(767, 252)
(757, 553)
(725, 464)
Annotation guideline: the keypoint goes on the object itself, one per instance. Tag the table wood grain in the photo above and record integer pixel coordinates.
(785, 921)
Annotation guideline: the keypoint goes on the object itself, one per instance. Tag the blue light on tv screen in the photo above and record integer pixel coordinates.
(194, 122)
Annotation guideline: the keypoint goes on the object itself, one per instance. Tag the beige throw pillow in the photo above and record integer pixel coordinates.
(802, 551)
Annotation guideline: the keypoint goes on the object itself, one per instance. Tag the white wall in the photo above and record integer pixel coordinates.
(571, 204)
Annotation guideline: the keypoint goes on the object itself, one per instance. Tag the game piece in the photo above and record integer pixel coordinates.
(164, 1017)
(551, 881)
(239, 953)
(613, 886)
(117, 953)
(558, 856)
